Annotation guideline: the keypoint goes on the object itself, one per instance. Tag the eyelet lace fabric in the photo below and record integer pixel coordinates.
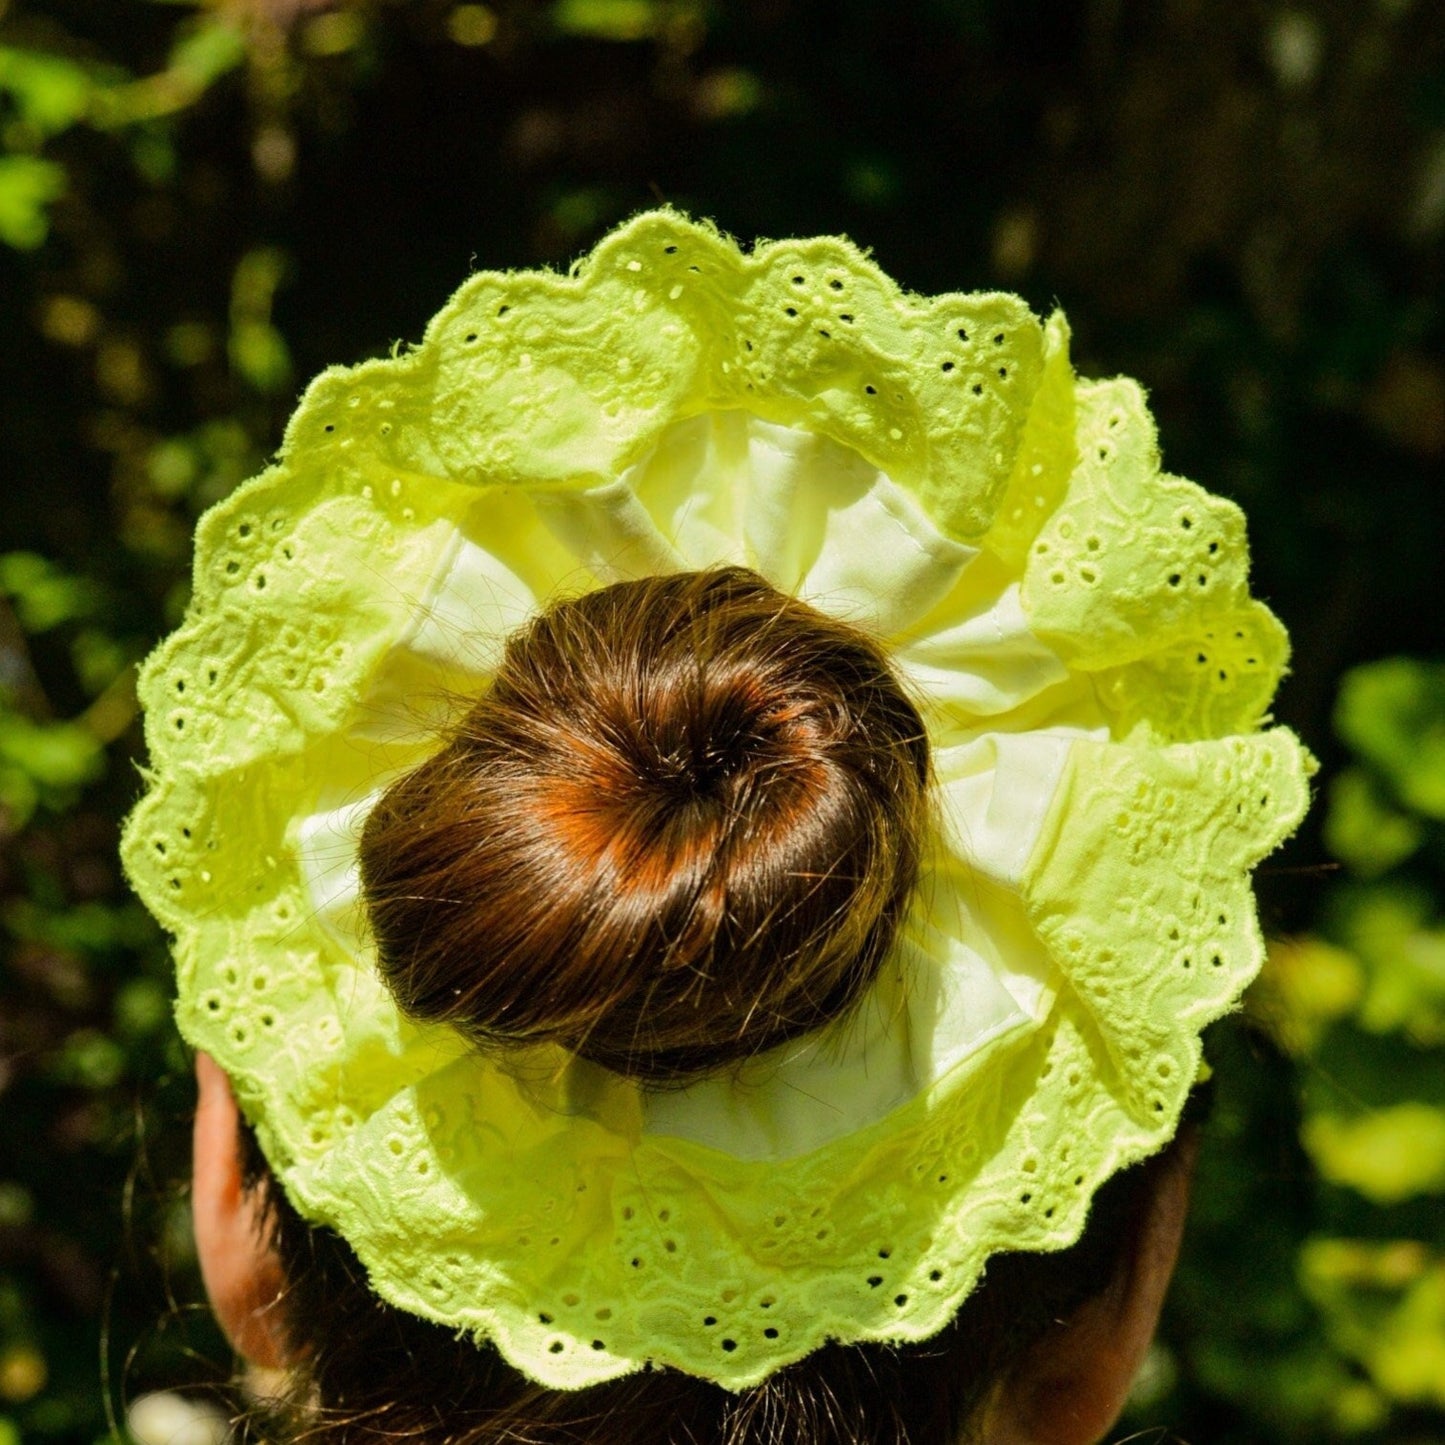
(1075, 625)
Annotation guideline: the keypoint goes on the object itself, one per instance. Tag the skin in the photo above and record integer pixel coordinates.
(1067, 1390)
(1070, 1388)
(242, 1275)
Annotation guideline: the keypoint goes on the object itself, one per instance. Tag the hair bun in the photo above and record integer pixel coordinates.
(680, 827)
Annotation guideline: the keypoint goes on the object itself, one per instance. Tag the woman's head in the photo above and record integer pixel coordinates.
(680, 828)
(712, 859)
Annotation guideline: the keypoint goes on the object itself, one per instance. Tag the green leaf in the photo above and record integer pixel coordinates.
(1393, 714)
(1305, 986)
(260, 355)
(91, 927)
(53, 755)
(142, 1008)
(19, 797)
(1363, 830)
(28, 185)
(1388, 927)
(98, 659)
(49, 92)
(1384, 1305)
(44, 595)
(17, 1205)
(1387, 1155)
(210, 50)
(608, 19)
(89, 1060)
(257, 349)
(872, 181)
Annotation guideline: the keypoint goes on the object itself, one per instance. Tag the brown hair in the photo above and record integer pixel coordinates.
(679, 828)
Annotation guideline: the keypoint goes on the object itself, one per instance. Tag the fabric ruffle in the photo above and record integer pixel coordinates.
(1075, 626)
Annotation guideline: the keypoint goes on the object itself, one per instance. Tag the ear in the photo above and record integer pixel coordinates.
(1071, 1385)
(242, 1274)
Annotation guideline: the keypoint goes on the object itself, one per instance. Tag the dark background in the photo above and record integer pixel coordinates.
(202, 204)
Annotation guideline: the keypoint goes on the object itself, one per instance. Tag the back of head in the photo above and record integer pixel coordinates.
(680, 828)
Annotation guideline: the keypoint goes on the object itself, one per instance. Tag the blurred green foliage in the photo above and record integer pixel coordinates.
(1393, 715)
(1360, 1007)
(203, 202)
(27, 186)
